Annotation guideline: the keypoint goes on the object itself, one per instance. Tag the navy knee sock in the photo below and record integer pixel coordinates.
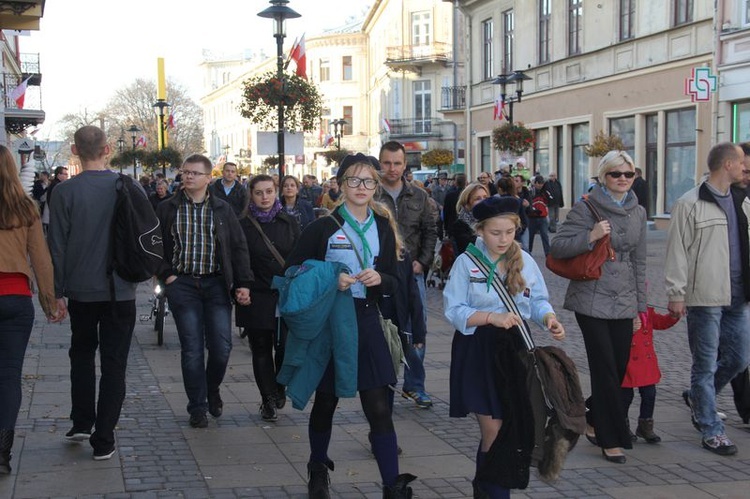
(385, 448)
(319, 445)
(494, 490)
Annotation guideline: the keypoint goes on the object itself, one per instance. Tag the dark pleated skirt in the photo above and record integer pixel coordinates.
(374, 365)
(473, 387)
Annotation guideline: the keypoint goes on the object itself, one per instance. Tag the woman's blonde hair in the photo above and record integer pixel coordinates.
(612, 160)
(463, 198)
(17, 208)
(377, 207)
(514, 280)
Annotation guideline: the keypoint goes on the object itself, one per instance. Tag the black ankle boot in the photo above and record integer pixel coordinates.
(400, 489)
(6, 443)
(318, 479)
(479, 492)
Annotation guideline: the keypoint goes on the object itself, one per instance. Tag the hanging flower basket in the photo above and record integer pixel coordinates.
(515, 138)
(300, 99)
(602, 144)
(438, 157)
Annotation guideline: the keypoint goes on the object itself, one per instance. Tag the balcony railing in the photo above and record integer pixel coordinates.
(412, 54)
(453, 98)
(414, 127)
(17, 119)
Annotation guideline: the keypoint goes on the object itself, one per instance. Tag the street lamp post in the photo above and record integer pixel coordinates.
(517, 78)
(159, 106)
(120, 147)
(279, 12)
(338, 131)
(226, 153)
(133, 134)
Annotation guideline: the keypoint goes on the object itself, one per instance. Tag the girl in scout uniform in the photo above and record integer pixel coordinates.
(474, 308)
(358, 230)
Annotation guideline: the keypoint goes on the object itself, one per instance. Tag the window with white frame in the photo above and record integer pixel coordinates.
(545, 25)
(325, 69)
(579, 163)
(627, 19)
(575, 26)
(625, 129)
(746, 13)
(509, 26)
(421, 28)
(422, 106)
(346, 66)
(679, 158)
(488, 51)
(683, 12)
(541, 152)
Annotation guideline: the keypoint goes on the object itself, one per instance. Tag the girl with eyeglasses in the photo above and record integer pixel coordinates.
(361, 234)
(607, 309)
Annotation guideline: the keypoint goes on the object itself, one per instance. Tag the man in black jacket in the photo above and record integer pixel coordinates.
(556, 201)
(640, 189)
(205, 261)
(229, 189)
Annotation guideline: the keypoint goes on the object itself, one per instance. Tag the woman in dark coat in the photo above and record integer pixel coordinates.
(299, 209)
(264, 330)
(607, 309)
(463, 228)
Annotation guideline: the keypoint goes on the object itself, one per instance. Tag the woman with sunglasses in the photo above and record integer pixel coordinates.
(607, 309)
(361, 234)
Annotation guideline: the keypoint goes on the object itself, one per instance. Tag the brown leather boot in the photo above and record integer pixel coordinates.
(645, 430)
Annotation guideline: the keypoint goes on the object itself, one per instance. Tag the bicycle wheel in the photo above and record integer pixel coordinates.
(159, 320)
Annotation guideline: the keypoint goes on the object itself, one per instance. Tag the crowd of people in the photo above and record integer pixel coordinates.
(369, 236)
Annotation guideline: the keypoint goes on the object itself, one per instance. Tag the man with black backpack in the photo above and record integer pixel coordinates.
(101, 303)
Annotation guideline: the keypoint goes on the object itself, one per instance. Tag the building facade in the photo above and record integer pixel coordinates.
(733, 67)
(21, 107)
(621, 67)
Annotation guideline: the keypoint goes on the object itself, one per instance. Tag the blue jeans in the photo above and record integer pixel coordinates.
(16, 321)
(720, 345)
(203, 315)
(414, 375)
(539, 225)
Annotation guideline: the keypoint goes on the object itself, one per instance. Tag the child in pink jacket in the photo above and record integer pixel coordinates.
(643, 372)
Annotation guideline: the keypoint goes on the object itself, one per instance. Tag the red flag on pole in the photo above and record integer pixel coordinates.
(299, 57)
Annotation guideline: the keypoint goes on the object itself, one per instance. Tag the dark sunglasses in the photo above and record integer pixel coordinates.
(620, 174)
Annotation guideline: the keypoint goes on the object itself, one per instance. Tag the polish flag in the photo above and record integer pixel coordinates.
(499, 111)
(386, 126)
(141, 141)
(18, 94)
(329, 140)
(299, 57)
(170, 122)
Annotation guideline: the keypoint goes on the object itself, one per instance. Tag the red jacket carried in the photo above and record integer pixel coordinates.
(643, 366)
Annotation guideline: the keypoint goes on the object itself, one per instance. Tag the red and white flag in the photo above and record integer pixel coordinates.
(499, 111)
(299, 57)
(329, 140)
(141, 141)
(18, 94)
(386, 126)
(170, 122)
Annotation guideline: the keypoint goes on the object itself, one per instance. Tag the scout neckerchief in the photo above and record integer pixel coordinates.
(349, 219)
(477, 253)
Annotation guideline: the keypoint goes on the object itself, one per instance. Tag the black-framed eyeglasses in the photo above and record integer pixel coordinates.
(354, 182)
(190, 173)
(620, 174)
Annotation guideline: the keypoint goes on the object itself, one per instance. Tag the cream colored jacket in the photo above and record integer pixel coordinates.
(697, 260)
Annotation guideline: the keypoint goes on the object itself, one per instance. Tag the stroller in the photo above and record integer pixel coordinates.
(445, 255)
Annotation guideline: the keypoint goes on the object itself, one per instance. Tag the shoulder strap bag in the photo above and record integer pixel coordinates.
(586, 266)
(268, 242)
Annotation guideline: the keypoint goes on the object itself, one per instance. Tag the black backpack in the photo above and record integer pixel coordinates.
(136, 245)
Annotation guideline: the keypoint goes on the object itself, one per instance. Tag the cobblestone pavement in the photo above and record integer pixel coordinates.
(239, 455)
